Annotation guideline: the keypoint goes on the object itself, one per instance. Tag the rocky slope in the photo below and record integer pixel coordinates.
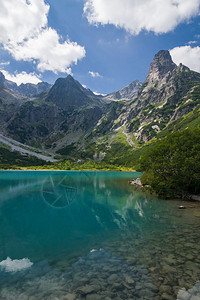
(62, 116)
(128, 92)
(67, 92)
(70, 120)
(169, 93)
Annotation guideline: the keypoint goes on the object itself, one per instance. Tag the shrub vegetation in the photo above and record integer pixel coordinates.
(172, 165)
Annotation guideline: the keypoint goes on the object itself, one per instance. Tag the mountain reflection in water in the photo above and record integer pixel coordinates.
(89, 234)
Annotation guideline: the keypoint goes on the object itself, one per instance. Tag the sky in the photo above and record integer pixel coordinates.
(104, 44)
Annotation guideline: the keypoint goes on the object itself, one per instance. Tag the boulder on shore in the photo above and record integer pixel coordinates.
(195, 197)
(136, 181)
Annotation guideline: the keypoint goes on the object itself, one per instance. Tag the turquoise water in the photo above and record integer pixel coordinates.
(89, 235)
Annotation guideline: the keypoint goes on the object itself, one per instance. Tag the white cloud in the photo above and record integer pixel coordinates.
(26, 35)
(188, 56)
(22, 19)
(137, 15)
(50, 53)
(4, 64)
(94, 74)
(192, 42)
(22, 77)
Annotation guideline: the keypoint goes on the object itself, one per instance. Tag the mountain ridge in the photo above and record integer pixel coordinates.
(126, 93)
(72, 121)
(24, 89)
(69, 92)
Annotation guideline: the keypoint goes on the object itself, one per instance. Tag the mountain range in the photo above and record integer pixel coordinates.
(66, 119)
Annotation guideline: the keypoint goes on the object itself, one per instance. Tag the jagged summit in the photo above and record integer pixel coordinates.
(24, 89)
(69, 92)
(128, 92)
(2, 79)
(160, 66)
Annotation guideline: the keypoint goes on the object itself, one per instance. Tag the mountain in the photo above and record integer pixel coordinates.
(128, 92)
(71, 121)
(28, 89)
(63, 115)
(167, 94)
(10, 102)
(160, 66)
(67, 92)
(2, 80)
(168, 100)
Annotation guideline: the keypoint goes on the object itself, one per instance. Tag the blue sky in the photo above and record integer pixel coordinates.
(104, 44)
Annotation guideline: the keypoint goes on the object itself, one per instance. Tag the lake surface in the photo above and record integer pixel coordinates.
(89, 235)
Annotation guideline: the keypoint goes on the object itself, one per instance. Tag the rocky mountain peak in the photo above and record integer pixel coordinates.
(67, 86)
(183, 68)
(128, 92)
(24, 89)
(2, 79)
(69, 77)
(69, 92)
(160, 66)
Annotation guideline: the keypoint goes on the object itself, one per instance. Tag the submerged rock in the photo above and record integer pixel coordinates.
(87, 289)
(182, 207)
(69, 297)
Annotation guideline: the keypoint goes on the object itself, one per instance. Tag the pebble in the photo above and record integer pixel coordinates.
(93, 297)
(165, 288)
(112, 278)
(195, 298)
(167, 297)
(183, 295)
(169, 264)
(69, 297)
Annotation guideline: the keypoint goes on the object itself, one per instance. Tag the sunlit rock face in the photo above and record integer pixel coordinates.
(2, 80)
(160, 66)
(128, 92)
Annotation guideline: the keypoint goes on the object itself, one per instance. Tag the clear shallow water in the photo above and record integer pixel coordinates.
(89, 235)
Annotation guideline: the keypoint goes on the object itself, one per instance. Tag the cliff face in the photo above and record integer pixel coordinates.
(68, 116)
(67, 92)
(161, 65)
(165, 96)
(128, 92)
(2, 80)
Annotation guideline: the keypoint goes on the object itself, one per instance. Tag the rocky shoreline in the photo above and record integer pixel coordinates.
(136, 182)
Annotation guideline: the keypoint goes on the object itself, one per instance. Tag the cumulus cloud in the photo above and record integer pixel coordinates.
(94, 74)
(137, 15)
(26, 35)
(50, 53)
(22, 77)
(188, 56)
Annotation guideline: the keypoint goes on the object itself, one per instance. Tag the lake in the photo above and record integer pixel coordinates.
(89, 235)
